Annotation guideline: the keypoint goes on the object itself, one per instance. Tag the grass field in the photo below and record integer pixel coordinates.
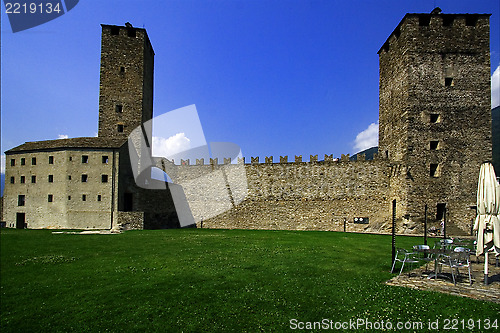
(209, 280)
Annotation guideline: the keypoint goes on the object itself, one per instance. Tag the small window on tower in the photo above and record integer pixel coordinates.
(105, 159)
(434, 145)
(22, 180)
(23, 161)
(119, 108)
(12, 162)
(12, 180)
(21, 200)
(98, 197)
(434, 170)
(104, 178)
(448, 82)
(33, 161)
(115, 30)
(51, 159)
(85, 178)
(434, 118)
(120, 128)
(50, 198)
(84, 197)
(122, 69)
(33, 179)
(85, 159)
(51, 178)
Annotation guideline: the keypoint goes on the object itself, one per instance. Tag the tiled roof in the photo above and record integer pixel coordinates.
(85, 142)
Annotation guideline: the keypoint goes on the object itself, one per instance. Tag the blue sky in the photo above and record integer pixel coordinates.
(276, 77)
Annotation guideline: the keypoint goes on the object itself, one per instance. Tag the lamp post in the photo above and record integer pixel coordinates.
(393, 231)
(425, 225)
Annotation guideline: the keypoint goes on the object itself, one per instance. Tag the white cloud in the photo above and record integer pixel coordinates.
(166, 147)
(2, 166)
(495, 88)
(62, 136)
(367, 138)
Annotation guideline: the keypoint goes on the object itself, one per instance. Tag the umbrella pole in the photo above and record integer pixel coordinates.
(486, 267)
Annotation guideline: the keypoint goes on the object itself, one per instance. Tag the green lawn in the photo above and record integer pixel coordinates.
(209, 280)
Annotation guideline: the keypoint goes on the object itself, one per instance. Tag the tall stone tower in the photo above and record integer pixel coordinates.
(126, 85)
(435, 113)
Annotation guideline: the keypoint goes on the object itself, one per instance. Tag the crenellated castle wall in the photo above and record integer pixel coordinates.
(314, 195)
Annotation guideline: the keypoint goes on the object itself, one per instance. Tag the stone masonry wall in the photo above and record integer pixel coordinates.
(317, 195)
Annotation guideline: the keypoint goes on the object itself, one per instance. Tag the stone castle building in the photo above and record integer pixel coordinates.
(435, 131)
(87, 182)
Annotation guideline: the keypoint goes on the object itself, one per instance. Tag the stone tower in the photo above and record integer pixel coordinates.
(126, 84)
(435, 114)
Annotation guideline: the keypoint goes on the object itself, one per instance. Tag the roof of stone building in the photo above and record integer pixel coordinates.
(85, 142)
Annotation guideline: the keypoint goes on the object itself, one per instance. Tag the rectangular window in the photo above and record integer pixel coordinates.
(21, 199)
(434, 170)
(13, 162)
(448, 81)
(85, 159)
(33, 161)
(119, 108)
(51, 178)
(84, 178)
(115, 31)
(51, 159)
(434, 145)
(104, 178)
(69, 177)
(122, 69)
(50, 198)
(12, 180)
(23, 161)
(84, 197)
(105, 160)
(70, 158)
(120, 128)
(69, 197)
(33, 179)
(434, 118)
(98, 197)
(131, 32)
(22, 180)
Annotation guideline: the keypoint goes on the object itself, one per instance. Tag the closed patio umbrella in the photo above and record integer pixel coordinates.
(487, 222)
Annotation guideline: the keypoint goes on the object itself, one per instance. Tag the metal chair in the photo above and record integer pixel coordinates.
(458, 259)
(422, 255)
(404, 256)
(446, 243)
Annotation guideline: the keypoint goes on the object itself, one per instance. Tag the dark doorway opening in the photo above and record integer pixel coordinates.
(441, 208)
(20, 220)
(128, 202)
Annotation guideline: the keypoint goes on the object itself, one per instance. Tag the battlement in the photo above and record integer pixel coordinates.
(313, 159)
(437, 26)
